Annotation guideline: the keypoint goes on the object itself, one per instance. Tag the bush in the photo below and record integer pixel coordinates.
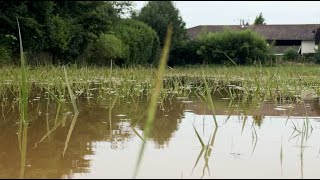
(5, 55)
(291, 54)
(243, 47)
(65, 38)
(317, 57)
(142, 41)
(106, 48)
(185, 53)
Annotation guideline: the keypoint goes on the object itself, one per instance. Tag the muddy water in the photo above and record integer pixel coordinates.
(251, 142)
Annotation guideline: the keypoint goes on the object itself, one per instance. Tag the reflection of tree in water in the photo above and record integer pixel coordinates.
(165, 123)
(92, 126)
(46, 160)
(316, 107)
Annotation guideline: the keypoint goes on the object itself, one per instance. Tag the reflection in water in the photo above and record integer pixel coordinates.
(23, 139)
(258, 118)
(62, 145)
(73, 123)
(208, 151)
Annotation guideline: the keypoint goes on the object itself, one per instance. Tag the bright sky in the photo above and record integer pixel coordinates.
(196, 13)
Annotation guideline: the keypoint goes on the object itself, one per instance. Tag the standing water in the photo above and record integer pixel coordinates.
(269, 140)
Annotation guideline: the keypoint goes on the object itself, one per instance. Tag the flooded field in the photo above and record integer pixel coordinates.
(269, 140)
(90, 98)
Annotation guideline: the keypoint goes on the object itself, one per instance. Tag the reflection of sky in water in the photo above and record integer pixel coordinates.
(232, 156)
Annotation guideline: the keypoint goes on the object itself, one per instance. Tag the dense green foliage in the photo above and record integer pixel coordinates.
(317, 56)
(63, 28)
(291, 54)
(259, 20)
(106, 49)
(142, 41)
(158, 15)
(185, 53)
(240, 47)
(5, 55)
(91, 32)
(96, 32)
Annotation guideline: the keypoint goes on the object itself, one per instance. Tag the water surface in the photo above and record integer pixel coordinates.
(271, 140)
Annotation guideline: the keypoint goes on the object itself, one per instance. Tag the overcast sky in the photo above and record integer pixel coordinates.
(196, 13)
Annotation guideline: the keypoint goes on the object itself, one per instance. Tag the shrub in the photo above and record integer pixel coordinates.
(243, 47)
(106, 48)
(317, 57)
(291, 54)
(5, 55)
(142, 41)
(185, 53)
(65, 38)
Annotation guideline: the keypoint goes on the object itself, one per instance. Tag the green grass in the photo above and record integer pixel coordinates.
(244, 84)
(23, 110)
(271, 82)
(247, 84)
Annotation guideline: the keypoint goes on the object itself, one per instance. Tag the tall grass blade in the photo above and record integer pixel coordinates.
(201, 152)
(23, 108)
(73, 123)
(281, 154)
(209, 99)
(48, 133)
(76, 111)
(244, 123)
(155, 94)
(137, 134)
(199, 138)
(23, 151)
(110, 113)
(72, 97)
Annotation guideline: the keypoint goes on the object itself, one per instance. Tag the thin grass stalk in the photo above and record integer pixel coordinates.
(72, 97)
(23, 107)
(155, 95)
(73, 123)
(209, 99)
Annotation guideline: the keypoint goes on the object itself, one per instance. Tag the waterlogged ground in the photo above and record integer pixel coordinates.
(265, 140)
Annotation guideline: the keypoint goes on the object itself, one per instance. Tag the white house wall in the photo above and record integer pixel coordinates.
(307, 47)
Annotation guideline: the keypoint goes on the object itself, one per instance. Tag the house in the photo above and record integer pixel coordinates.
(302, 37)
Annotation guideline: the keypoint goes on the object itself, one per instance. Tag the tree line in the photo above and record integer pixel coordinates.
(101, 32)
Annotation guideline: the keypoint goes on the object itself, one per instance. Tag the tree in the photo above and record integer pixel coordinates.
(123, 8)
(61, 28)
(259, 20)
(32, 16)
(106, 48)
(76, 24)
(94, 16)
(158, 15)
(142, 41)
